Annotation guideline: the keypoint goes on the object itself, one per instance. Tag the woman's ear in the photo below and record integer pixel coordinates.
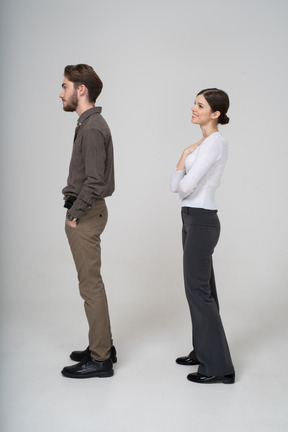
(216, 114)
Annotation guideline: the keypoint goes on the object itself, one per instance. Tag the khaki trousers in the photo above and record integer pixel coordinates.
(84, 241)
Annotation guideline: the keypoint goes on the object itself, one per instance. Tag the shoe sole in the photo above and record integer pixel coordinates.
(222, 381)
(228, 381)
(89, 375)
(187, 364)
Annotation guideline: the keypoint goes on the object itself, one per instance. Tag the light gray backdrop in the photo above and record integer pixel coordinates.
(153, 57)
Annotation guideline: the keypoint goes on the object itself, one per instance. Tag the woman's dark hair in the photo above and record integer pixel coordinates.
(84, 74)
(218, 101)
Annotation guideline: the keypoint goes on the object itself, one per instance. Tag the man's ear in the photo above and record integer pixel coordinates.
(82, 90)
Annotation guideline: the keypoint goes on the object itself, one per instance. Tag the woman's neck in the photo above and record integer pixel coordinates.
(208, 130)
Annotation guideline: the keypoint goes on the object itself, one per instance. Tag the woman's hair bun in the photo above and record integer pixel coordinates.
(223, 119)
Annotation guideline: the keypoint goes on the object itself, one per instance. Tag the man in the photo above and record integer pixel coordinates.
(90, 180)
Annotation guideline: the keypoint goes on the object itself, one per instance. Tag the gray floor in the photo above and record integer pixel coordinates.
(148, 392)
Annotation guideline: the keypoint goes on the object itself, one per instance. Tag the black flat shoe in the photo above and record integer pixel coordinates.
(187, 361)
(89, 368)
(78, 356)
(202, 379)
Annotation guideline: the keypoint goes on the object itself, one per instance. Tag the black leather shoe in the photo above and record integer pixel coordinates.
(81, 355)
(89, 368)
(202, 379)
(187, 361)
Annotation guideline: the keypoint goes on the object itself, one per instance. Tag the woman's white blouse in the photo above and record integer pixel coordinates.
(197, 184)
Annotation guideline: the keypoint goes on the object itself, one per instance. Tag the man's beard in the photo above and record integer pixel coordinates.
(72, 103)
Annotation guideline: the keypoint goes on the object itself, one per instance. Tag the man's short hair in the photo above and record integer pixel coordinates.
(84, 74)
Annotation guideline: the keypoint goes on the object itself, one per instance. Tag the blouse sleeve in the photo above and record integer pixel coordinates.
(208, 154)
(176, 177)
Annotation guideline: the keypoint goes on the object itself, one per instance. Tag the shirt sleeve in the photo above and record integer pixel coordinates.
(208, 153)
(94, 157)
(175, 179)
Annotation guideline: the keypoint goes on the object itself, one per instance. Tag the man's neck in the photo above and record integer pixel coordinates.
(81, 108)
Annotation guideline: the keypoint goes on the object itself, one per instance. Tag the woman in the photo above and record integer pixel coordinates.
(196, 179)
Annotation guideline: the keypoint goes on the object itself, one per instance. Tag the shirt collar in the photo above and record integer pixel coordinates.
(88, 113)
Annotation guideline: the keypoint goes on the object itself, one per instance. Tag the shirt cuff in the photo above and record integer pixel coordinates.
(79, 207)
